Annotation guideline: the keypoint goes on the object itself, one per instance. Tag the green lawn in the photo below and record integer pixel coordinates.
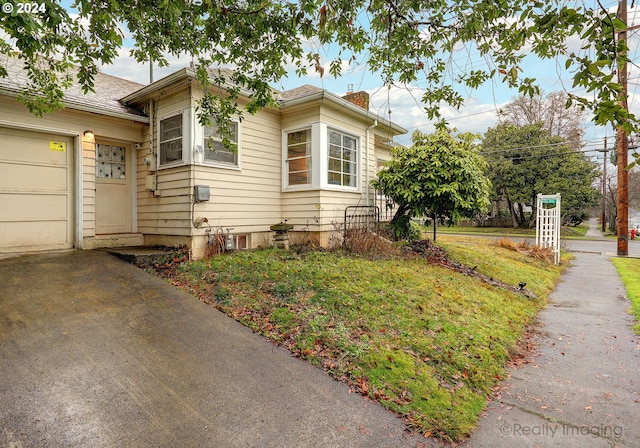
(497, 231)
(427, 342)
(629, 270)
(565, 232)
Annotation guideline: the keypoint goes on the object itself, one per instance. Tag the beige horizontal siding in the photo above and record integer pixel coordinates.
(173, 102)
(300, 116)
(249, 199)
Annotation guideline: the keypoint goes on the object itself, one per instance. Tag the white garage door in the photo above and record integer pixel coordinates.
(36, 185)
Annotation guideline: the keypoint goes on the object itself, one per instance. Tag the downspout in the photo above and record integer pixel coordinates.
(368, 163)
(152, 149)
(192, 172)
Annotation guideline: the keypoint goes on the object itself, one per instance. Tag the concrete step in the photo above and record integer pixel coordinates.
(144, 256)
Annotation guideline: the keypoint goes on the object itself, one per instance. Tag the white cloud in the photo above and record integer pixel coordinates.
(407, 110)
(125, 66)
(345, 66)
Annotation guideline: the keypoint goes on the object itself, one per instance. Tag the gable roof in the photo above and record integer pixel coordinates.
(104, 100)
(307, 93)
(298, 92)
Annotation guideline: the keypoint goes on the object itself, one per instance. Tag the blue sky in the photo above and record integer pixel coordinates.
(404, 102)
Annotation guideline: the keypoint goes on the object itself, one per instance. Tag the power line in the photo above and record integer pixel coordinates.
(549, 155)
(504, 151)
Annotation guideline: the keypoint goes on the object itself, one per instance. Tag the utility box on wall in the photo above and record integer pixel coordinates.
(150, 183)
(201, 193)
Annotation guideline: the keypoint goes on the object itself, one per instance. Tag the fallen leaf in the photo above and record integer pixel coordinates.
(364, 385)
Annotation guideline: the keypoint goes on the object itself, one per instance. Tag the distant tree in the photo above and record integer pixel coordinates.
(441, 176)
(550, 111)
(527, 160)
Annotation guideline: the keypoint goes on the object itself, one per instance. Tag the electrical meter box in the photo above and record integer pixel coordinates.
(150, 183)
(202, 193)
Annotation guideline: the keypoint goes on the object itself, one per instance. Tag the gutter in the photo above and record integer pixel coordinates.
(368, 165)
(123, 115)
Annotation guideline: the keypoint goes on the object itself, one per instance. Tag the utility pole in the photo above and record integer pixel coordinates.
(623, 144)
(604, 186)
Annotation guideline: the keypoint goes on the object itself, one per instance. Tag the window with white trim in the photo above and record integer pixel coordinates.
(343, 159)
(320, 157)
(214, 148)
(171, 151)
(299, 157)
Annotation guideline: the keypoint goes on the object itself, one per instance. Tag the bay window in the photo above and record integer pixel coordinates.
(299, 157)
(320, 157)
(342, 169)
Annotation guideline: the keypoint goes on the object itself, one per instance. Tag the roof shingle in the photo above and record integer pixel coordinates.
(105, 98)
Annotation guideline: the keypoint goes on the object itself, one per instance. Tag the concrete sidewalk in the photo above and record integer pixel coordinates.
(582, 387)
(97, 353)
(594, 231)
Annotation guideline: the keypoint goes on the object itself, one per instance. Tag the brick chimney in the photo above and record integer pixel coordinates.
(358, 98)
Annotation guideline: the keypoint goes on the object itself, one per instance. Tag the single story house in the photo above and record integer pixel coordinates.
(129, 164)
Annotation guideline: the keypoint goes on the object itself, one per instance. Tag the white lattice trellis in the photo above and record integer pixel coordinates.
(548, 223)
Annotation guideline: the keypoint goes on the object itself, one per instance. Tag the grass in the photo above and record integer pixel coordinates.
(495, 231)
(427, 342)
(578, 231)
(571, 232)
(629, 269)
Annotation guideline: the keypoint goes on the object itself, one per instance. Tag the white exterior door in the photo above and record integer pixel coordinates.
(36, 191)
(113, 189)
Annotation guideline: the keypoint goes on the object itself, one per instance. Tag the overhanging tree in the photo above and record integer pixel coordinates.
(440, 176)
(404, 41)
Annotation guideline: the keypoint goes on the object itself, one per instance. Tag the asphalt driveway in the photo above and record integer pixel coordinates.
(95, 352)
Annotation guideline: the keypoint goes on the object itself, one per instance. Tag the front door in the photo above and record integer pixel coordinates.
(113, 189)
